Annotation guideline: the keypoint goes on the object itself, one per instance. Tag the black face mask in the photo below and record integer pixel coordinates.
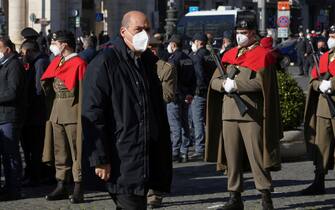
(323, 49)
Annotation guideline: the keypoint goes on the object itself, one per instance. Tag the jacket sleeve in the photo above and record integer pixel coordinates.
(94, 108)
(316, 83)
(40, 67)
(217, 85)
(169, 83)
(15, 81)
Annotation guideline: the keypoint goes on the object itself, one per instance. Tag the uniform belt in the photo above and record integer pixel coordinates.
(64, 95)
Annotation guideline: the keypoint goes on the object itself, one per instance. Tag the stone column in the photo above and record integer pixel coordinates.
(16, 20)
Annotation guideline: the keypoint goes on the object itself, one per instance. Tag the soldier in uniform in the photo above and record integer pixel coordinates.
(257, 131)
(319, 124)
(62, 79)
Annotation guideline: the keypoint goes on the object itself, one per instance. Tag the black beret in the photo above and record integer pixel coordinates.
(332, 29)
(29, 33)
(200, 37)
(175, 38)
(248, 24)
(63, 36)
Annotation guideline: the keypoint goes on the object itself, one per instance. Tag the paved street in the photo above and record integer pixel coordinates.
(196, 185)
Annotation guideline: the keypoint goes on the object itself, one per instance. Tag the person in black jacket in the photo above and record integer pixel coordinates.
(199, 57)
(32, 138)
(301, 50)
(178, 109)
(123, 117)
(11, 106)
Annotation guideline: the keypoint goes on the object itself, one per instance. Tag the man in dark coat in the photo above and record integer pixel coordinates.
(33, 129)
(11, 116)
(178, 108)
(124, 118)
(319, 122)
(258, 131)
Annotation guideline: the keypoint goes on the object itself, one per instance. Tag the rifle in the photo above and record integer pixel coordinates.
(237, 98)
(330, 102)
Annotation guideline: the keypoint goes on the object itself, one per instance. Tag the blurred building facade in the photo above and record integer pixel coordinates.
(106, 15)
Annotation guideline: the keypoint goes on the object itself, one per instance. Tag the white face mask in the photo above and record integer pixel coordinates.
(242, 40)
(2, 55)
(331, 43)
(169, 48)
(140, 41)
(194, 47)
(54, 49)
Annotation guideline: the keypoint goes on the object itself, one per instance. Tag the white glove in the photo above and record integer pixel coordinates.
(325, 86)
(230, 85)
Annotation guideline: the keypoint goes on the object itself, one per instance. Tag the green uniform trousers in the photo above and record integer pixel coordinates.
(65, 150)
(235, 133)
(324, 141)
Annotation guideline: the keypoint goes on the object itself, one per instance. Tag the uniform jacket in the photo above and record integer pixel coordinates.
(167, 74)
(125, 122)
(316, 105)
(12, 83)
(269, 110)
(65, 103)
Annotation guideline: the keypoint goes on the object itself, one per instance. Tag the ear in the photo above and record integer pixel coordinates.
(122, 31)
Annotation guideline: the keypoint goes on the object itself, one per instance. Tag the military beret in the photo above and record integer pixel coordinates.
(200, 37)
(175, 38)
(332, 29)
(63, 36)
(29, 33)
(248, 24)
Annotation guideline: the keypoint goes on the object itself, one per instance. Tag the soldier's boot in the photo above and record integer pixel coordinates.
(154, 199)
(266, 200)
(59, 193)
(235, 202)
(78, 193)
(317, 187)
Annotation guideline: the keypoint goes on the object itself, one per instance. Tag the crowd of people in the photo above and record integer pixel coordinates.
(137, 104)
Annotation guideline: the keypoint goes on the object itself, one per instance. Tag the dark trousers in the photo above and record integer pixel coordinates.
(32, 141)
(129, 202)
(9, 146)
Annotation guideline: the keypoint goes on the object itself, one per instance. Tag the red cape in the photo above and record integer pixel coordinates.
(255, 59)
(70, 72)
(324, 66)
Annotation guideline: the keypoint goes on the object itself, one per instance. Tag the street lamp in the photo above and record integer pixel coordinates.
(171, 19)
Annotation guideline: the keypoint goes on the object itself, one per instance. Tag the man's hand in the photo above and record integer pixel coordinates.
(230, 85)
(325, 86)
(188, 99)
(103, 171)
